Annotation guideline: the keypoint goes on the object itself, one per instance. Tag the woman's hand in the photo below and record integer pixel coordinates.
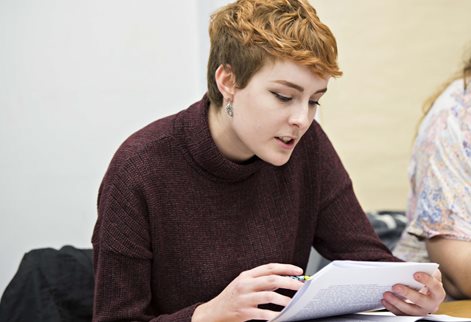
(425, 301)
(240, 299)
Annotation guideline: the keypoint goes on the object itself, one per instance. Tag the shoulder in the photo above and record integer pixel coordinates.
(457, 93)
(128, 172)
(153, 139)
(156, 146)
(152, 134)
(163, 138)
(448, 123)
(450, 112)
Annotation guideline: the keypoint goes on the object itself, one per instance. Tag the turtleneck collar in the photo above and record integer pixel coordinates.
(195, 138)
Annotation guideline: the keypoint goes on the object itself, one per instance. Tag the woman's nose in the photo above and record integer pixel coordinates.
(301, 116)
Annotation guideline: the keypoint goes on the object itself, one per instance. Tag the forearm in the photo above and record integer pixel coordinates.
(205, 313)
(451, 289)
(454, 257)
(457, 282)
(123, 291)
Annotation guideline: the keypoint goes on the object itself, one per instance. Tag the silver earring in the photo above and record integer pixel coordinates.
(229, 109)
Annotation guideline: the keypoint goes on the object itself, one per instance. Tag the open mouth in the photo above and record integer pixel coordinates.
(285, 140)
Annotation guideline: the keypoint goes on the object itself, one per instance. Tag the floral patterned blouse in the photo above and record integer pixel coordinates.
(440, 175)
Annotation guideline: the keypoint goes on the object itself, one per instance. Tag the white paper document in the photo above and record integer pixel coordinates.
(389, 317)
(345, 287)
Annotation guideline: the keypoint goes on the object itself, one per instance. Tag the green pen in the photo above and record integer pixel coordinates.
(301, 278)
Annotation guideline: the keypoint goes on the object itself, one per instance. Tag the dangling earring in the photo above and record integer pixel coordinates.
(229, 109)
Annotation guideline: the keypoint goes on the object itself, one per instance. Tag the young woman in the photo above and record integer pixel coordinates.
(202, 214)
(439, 208)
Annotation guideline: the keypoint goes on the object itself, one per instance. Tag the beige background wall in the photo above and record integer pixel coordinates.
(394, 54)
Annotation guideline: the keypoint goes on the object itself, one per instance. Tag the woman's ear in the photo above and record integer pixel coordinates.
(225, 80)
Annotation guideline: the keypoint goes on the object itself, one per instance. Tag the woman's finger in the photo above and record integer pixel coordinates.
(274, 269)
(260, 314)
(274, 282)
(267, 297)
(435, 291)
(401, 305)
(391, 307)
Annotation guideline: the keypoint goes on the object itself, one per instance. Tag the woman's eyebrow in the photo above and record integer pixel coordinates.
(289, 84)
(297, 87)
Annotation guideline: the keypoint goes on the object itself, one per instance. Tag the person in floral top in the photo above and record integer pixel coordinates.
(439, 207)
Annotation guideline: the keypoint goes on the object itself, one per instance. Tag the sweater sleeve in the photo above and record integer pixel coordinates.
(123, 252)
(343, 230)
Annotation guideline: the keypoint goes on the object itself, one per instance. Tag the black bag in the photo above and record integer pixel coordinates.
(51, 286)
(389, 225)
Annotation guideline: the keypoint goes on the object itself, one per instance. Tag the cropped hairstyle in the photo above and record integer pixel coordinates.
(247, 33)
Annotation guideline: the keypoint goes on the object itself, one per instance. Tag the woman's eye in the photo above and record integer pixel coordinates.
(282, 97)
(314, 103)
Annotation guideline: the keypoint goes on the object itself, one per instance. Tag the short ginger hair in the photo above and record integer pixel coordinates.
(247, 33)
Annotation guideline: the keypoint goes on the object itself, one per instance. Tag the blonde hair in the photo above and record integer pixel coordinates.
(247, 33)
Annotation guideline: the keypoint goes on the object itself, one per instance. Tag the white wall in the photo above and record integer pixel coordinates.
(77, 78)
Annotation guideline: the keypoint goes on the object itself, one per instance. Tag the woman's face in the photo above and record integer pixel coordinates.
(274, 110)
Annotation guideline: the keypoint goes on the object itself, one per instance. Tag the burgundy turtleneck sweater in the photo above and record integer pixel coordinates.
(177, 221)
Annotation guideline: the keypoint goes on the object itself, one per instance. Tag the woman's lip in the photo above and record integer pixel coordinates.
(291, 138)
(285, 145)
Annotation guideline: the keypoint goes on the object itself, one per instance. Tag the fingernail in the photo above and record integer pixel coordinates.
(399, 290)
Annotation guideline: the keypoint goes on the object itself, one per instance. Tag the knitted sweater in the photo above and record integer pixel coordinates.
(177, 222)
